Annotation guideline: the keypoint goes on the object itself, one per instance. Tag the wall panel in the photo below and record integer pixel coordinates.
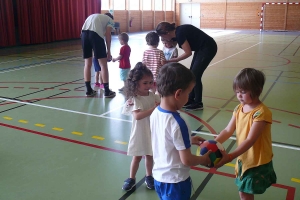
(148, 22)
(170, 16)
(213, 15)
(293, 17)
(121, 16)
(159, 17)
(274, 17)
(243, 15)
(136, 17)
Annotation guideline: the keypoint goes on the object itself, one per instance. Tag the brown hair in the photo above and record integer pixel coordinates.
(124, 36)
(137, 73)
(164, 27)
(250, 79)
(173, 76)
(152, 38)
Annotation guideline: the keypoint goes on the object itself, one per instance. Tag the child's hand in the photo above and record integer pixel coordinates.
(225, 159)
(197, 140)
(206, 159)
(114, 60)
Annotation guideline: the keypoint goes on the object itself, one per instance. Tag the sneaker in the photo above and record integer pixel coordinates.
(149, 180)
(121, 89)
(110, 94)
(97, 84)
(128, 184)
(102, 86)
(194, 106)
(188, 103)
(91, 94)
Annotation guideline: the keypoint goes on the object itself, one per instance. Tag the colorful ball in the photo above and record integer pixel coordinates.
(215, 147)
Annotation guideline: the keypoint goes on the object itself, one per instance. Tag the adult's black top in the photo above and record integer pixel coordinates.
(197, 39)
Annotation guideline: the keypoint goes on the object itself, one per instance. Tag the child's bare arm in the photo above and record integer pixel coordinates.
(117, 58)
(138, 114)
(255, 131)
(188, 159)
(228, 131)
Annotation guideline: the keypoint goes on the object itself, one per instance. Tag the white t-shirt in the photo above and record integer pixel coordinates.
(170, 52)
(169, 133)
(140, 136)
(98, 24)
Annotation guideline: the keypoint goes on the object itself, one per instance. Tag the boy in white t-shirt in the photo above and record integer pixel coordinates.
(171, 137)
(170, 50)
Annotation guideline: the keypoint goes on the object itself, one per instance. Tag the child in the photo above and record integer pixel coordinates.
(98, 77)
(252, 121)
(140, 104)
(170, 50)
(123, 58)
(153, 58)
(171, 137)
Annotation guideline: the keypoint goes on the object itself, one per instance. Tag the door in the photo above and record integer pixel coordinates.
(185, 13)
(190, 14)
(196, 14)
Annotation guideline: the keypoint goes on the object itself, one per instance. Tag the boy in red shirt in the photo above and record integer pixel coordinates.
(123, 58)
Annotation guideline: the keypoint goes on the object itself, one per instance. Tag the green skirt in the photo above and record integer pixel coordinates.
(257, 179)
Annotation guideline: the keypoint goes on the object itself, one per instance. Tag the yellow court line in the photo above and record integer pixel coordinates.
(120, 142)
(77, 133)
(295, 180)
(7, 118)
(40, 125)
(230, 165)
(98, 137)
(23, 121)
(57, 129)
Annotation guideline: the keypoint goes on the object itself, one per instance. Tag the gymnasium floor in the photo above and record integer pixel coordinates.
(57, 144)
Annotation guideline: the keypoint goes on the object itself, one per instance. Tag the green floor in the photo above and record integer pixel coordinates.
(56, 144)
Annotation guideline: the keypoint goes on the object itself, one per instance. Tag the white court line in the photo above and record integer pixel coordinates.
(36, 65)
(38, 56)
(233, 54)
(233, 138)
(71, 111)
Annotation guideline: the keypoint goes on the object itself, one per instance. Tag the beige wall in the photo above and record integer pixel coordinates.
(246, 14)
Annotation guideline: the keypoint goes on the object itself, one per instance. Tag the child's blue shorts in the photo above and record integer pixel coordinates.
(96, 65)
(174, 191)
(124, 74)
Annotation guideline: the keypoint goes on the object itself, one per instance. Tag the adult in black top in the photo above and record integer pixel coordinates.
(190, 38)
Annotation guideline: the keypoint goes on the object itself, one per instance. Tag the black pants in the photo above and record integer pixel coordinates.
(201, 60)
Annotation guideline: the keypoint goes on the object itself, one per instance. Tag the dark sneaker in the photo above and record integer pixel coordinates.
(194, 106)
(110, 94)
(149, 180)
(188, 103)
(128, 184)
(91, 93)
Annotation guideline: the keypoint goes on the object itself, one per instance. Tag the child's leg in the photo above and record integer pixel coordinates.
(97, 77)
(149, 165)
(100, 78)
(245, 196)
(134, 166)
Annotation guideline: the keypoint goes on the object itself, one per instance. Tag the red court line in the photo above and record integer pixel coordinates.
(294, 126)
(64, 139)
(202, 121)
(290, 190)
